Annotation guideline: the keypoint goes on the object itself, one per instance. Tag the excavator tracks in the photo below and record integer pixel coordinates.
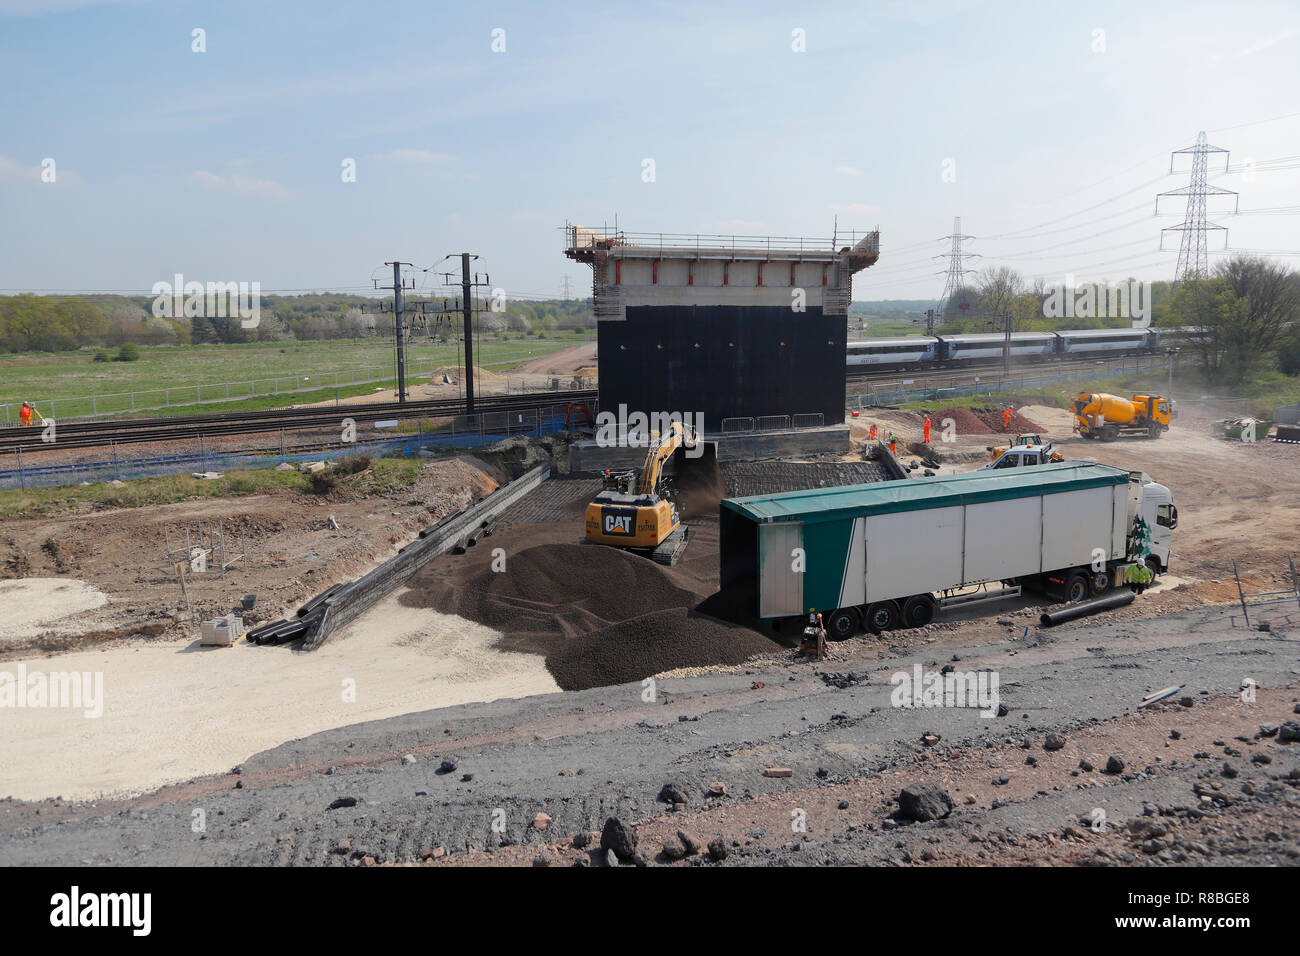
(670, 549)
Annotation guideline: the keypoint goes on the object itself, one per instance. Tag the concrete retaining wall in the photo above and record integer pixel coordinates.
(589, 457)
(356, 598)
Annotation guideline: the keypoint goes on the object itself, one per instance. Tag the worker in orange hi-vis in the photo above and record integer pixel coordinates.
(873, 431)
(893, 444)
(25, 414)
(1006, 417)
(925, 429)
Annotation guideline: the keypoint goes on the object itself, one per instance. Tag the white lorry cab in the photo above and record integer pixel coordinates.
(1154, 504)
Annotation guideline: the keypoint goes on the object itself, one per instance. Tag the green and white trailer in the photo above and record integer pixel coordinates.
(891, 554)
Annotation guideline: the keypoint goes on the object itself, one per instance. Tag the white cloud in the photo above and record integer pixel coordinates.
(241, 185)
(184, 121)
(12, 171)
(35, 8)
(334, 85)
(848, 170)
(855, 210)
(406, 155)
(1271, 41)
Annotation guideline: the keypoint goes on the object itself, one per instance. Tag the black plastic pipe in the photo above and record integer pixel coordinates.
(1084, 608)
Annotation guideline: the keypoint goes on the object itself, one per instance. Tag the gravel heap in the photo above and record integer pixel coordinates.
(775, 477)
(993, 418)
(966, 421)
(560, 589)
(598, 615)
(982, 422)
(661, 641)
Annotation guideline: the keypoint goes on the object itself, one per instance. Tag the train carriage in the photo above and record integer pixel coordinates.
(893, 353)
(916, 353)
(1105, 342)
(988, 347)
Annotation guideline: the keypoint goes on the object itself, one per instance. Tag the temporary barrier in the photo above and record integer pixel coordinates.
(352, 600)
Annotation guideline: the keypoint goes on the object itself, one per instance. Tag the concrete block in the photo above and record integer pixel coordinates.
(221, 630)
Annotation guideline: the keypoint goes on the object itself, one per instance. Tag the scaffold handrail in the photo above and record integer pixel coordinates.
(584, 237)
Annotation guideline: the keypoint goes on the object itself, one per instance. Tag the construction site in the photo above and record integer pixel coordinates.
(643, 640)
(667, 437)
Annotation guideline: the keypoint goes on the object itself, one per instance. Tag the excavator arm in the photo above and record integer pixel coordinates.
(658, 456)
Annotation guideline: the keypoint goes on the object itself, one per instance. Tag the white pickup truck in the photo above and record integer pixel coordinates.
(1022, 456)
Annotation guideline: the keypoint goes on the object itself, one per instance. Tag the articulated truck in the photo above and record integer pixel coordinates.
(891, 554)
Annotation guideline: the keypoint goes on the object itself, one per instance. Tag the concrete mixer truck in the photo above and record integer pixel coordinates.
(1099, 415)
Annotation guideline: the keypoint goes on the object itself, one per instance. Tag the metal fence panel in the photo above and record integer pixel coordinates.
(417, 437)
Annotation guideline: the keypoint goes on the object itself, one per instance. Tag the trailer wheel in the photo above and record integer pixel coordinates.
(1076, 588)
(1109, 433)
(1100, 582)
(882, 616)
(842, 624)
(918, 611)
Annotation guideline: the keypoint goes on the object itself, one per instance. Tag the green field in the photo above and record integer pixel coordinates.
(188, 372)
(879, 329)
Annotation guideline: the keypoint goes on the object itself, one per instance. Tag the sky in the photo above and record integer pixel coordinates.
(484, 127)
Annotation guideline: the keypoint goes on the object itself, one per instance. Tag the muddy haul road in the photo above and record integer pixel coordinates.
(1204, 776)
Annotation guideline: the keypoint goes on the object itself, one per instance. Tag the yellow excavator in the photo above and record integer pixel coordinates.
(635, 511)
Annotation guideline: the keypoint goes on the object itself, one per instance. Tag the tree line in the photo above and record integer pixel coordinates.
(1039, 306)
(1239, 319)
(45, 323)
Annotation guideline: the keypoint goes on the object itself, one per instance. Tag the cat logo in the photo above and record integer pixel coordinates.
(618, 524)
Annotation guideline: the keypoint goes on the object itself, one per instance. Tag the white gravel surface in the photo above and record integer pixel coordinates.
(173, 710)
(30, 606)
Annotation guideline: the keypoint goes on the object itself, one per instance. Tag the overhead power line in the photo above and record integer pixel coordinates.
(1079, 212)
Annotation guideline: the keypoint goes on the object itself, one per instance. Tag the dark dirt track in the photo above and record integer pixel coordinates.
(583, 756)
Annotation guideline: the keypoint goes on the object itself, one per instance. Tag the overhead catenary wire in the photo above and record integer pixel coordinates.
(1051, 222)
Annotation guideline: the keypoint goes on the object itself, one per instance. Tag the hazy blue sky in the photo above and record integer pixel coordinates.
(225, 165)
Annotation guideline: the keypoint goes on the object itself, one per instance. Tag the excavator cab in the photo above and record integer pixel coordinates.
(638, 510)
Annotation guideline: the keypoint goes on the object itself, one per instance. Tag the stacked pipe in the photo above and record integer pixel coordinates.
(308, 620)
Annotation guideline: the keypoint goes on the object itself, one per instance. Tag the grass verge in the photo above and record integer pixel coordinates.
(384, 476)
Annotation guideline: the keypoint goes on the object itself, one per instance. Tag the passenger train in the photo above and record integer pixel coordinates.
(955, 350)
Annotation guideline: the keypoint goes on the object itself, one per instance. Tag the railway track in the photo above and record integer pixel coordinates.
(90, 434)
(181, 427)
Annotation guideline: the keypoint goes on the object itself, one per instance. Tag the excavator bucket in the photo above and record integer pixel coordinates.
(697, 486)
